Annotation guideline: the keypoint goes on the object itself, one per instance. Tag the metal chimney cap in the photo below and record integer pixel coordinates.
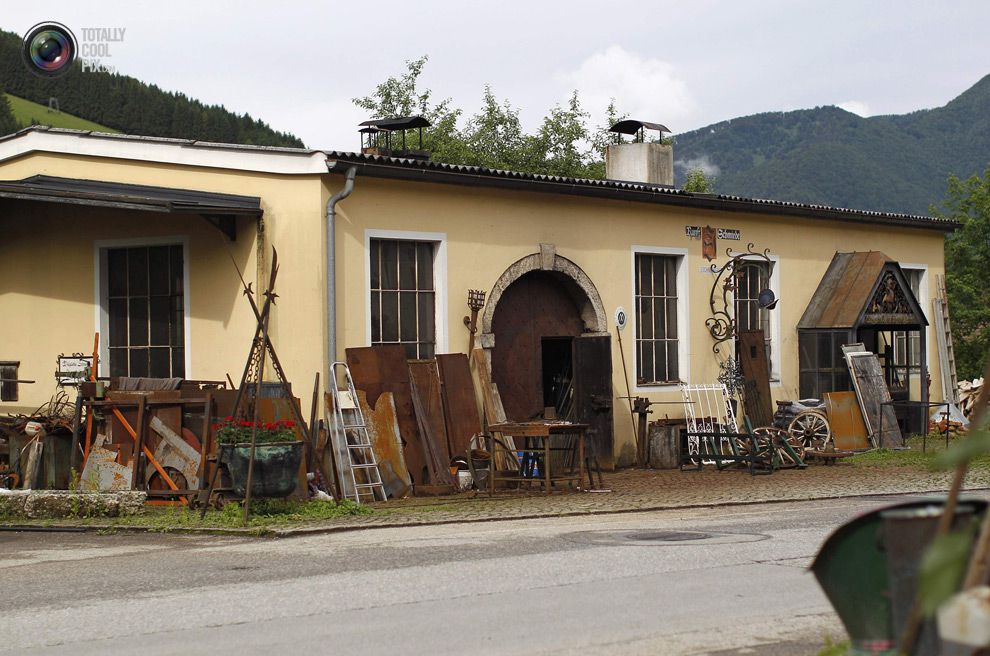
(632, 126)
(401, 123)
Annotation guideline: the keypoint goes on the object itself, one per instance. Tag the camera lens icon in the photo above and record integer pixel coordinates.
(49, 49)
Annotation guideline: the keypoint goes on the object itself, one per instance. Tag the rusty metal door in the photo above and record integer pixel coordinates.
(592, 357)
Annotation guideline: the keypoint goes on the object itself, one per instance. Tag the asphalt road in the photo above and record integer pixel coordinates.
(715, 580)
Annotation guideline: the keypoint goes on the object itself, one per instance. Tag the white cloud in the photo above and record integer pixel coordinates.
(857, 107)
(704, 163)
(644, 88)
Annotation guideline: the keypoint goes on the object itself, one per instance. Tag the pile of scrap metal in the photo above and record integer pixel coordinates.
(34, 448)
(421, 418)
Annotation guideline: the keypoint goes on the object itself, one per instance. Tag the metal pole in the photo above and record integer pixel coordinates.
(254, 417)
(625, 376)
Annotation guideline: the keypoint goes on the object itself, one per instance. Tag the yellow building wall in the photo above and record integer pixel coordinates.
(488, 230)
(48, 275)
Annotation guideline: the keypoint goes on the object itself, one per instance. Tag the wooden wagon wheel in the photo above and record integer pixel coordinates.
(764, 448)
(811, 427)
(778, 436)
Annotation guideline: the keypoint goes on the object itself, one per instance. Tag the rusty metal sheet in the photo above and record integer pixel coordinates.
(427, 383)
(383, 430)
(872, 393)
(382, 368)
(846, 419)
(459, 402)
(753, 360)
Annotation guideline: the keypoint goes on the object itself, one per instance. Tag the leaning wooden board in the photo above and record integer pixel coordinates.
(382, 368)
(460, 406)
(756, 376)
(872, 392)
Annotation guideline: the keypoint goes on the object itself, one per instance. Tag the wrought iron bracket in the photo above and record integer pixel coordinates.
(722, 323)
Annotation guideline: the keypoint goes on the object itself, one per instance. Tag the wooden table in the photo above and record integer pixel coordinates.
(543, 432)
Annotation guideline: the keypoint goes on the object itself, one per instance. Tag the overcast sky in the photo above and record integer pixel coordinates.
(684, 64)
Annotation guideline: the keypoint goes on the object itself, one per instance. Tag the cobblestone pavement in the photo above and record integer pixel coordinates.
(638, 490)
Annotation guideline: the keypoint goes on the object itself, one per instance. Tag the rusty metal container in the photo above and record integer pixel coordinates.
(275, 467)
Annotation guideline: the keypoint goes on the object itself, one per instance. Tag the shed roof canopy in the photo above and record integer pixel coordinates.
(632, 126)
(862, 288)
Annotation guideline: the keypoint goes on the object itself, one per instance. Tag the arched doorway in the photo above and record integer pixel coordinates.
(549, 347)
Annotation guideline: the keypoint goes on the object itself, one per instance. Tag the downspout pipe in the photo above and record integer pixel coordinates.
(332, 271)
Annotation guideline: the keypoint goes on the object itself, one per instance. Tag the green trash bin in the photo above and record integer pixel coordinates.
(854, 568)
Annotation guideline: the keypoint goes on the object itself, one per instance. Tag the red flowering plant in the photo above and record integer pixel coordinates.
(237, 431)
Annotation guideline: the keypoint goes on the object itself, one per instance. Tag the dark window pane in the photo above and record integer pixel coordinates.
(427, 318)
(390, 265)
(118, 362)
(660, 361)
(407, 265)
(807, 352)
(424, 265)
(160, 316)
(161, 364)
(138, 363)
(670, 264)
(646, 362)
(659, 320)
(412, 352)
(177, 326)
(426, 351)
(390, 316)
(117, 272)
(158, 270)
(178, 363)
(376, 317)
(118, 322)
(824, 351)
(671, 318)
(645, 318)
(824, 383)
(672, 372)
(376, 253)
(137, 271)
(407, 316)
(808, 386)
(645, 275)
(138, 333)
(176, 272)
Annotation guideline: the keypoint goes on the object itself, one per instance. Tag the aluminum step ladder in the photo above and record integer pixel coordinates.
(946, 354)
(350, 429)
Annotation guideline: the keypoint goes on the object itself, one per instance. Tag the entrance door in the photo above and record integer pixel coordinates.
(593, 393)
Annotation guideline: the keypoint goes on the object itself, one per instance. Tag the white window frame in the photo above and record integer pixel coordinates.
(924, 303)
(775, 354)
(101, 287)
(439, 239)
(683, 335)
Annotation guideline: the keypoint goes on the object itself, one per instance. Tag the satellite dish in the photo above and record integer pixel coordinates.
(767, 299)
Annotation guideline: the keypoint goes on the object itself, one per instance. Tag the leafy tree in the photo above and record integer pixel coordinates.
(7, 122)
(563, 145)
(698, 182)
(967, 261)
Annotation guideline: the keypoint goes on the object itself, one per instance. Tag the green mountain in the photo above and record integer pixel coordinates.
(830, 156)
(126, 104)
(27, 113)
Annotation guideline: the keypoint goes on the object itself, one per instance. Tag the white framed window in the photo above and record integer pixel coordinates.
(142, 307)
(907, 343)
(659, 316)
(756, 276)
(405, 290)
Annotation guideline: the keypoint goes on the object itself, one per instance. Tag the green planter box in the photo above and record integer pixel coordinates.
(276, 467)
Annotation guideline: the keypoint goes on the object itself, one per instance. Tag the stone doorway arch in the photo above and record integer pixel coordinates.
(582, 289)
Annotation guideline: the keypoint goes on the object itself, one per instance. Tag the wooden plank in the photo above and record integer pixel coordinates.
(872, 392)
(461, 416)
(846, 419)
(383, 431)
(425, 383)
(437, 464)
(382, 368)
(753, 360)
(494, 411)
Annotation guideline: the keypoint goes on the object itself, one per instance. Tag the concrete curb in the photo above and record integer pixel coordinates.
(272, 532)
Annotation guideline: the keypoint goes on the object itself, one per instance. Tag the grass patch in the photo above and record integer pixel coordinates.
(832, 648)
(29, 113)
(265, 513)
(914, 456)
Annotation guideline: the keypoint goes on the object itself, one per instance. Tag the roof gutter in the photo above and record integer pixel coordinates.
(331, 265)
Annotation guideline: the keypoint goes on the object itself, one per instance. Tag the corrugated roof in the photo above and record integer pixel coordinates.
(429, 171)
(847, 288)
(142, 197)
